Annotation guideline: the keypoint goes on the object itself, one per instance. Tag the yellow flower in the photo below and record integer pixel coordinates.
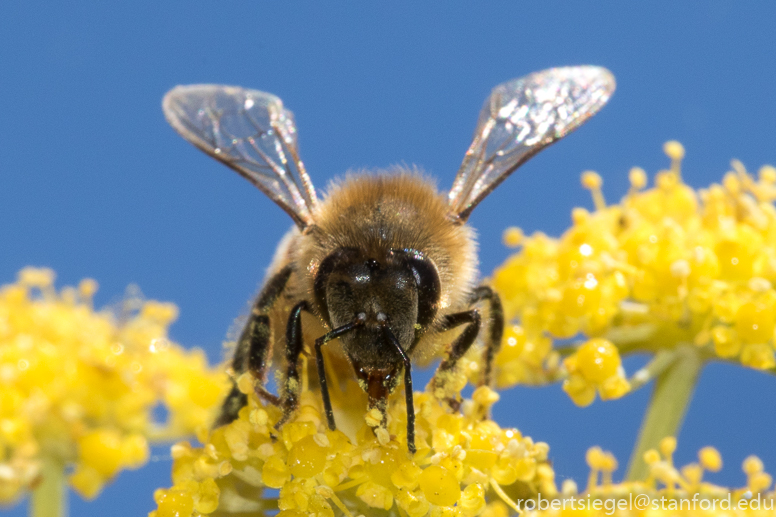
(463, 463)
(77, 386)
(595, 365)
(666, 267)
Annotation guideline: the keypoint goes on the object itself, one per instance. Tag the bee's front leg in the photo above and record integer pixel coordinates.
(289, 400)
(495, 328)
(440, 384)
(294, 345)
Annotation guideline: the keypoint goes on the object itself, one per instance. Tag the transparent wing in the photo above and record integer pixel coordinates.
(519, 119)
(251, 132)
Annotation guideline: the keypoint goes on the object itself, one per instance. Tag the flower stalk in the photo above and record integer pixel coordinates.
(671, 397)
(49, 498)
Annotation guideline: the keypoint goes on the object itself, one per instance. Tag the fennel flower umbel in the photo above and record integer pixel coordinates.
(463, 464)
(687, 276)
(78, 386)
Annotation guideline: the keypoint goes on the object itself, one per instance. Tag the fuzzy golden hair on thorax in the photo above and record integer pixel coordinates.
(395, 209)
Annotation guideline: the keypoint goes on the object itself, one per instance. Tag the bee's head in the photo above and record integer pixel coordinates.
(400, 290)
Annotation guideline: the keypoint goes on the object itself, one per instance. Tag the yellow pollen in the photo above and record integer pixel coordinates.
(374, 417)
(383, 436)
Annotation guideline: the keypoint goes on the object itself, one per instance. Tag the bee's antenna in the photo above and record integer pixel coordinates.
(337, 332)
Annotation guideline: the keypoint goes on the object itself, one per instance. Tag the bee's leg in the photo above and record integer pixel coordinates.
(466, 339)
(253, 347)
(460, 346)
(294, 345)
(495, 328)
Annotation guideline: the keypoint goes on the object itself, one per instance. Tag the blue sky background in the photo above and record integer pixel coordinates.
(93, 183)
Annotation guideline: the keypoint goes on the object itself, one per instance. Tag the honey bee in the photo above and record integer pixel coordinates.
(384, 262)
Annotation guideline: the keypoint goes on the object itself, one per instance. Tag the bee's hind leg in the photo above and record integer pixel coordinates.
(473, 321)
(253, 348)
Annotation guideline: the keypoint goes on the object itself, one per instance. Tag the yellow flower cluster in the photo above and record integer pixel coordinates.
(595, 366)
(77, 387)
(462, 466)
(666, 266)
(668, 491)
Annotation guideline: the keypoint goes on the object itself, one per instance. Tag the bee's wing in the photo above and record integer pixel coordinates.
(520, 118)
(251, 132)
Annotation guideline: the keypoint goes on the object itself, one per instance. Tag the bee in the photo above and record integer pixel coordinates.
(384, 262)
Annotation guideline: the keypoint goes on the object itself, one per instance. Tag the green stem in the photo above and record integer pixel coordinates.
(49, 499)
(659, 364)
(673, 390)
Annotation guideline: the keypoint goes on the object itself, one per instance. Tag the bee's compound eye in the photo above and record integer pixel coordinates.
(427, 282)
(340, 259)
